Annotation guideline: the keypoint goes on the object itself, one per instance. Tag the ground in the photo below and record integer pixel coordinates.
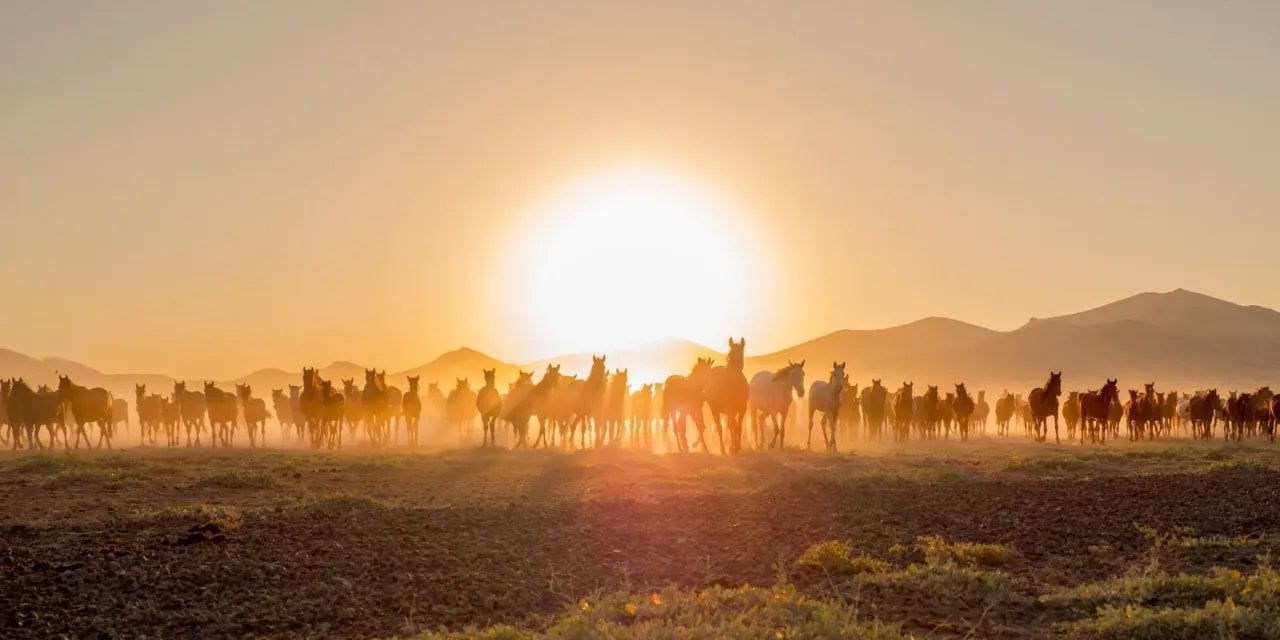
(1074, 542)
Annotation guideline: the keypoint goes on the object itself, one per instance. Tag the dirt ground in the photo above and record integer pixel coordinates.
(232, 544)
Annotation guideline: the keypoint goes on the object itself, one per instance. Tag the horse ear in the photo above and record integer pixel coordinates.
(802, 361)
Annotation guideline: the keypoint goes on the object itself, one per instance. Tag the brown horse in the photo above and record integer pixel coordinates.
(1005, 407)
(727, 394)
(171, 415)
(533, 401)
(311, 404)
(221, 406)
(148, 408)
(411, 407)
(374, 399)
(333, 411)
(489, 406)
(461, 406)
(1095, 412)
(88, 406)
(615, 406)
(683, 397)
(1043, 402)
(255, 414)
(588, 403)
(284, 410)
(874, 400)
(962, 406)
(1071, 413)
(353, 408)
(1202, 409)
(926, 411)
(28, 410)
(642, 415)
(904, 407)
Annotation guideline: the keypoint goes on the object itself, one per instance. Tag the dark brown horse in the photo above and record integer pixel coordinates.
(148, 408)
(1202, 410)
(333, 411)
(255, 414)
(489, 406)
(615, 406)
(311, 404)
(1095, 412)
(963, 407)
(411, 407)
(727, 394)
(873, 400)
(88, 406)
(374, 399)
(221, 406)
(904, 408)
(1043, 402)
(683, 397)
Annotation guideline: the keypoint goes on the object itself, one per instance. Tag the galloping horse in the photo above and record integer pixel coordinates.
(980, 412)
(191, 407)
(1201, 410)
(850, 418)
(353, 407)
(615, 405)
(374, 399)
(88, 405)
(824, 396)
(222, 414)
(642, 415)
(489, 406)
(284, 411)
(874, 401)
(682, 397)
(727, 393)
(1095, 412)
(962, 407)
(148, 408)
(311, 401)
(411, 407)
(770, 398)
(1043, 403)
(903, 410)
(515, 408)
(588, 405)
(255, 414)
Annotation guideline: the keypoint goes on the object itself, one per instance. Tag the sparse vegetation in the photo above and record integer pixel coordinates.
(236, 480)
(966, 554)
(836, 557)
(745, 613)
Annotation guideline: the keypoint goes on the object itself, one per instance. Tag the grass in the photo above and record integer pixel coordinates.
(47, 464)
(836, 557)
(1233, 464)
(966, 554)
(779, 613)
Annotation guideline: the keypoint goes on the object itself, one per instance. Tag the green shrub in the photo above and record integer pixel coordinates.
(969, 554)
(837, 557)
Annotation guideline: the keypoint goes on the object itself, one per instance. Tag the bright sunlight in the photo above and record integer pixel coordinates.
(630, 256)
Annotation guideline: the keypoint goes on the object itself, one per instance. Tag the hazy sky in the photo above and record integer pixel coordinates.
(205, 188)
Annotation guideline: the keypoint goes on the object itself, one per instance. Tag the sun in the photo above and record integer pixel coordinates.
(629, 256)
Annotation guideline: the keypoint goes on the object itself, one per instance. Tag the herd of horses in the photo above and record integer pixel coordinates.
(602, 409)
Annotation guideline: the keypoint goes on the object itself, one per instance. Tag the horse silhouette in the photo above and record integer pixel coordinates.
(353, 409)
(489, 406)
(411, 409)
(461, 406)
(1043, 402)
(284, 410)
(962, 407)
(903, 411)
(148, 408)
(850, 409)
(875, 408)
(824, 398)
(88, 406)
(255, 414)
(221, 407)
(191, 407)
(641, 405)
(1095, 412)
(616, 396)
(770, 396)
(727, 394)
(374, 399)
(682, 398)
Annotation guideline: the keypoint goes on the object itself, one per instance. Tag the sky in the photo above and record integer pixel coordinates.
(208, 188)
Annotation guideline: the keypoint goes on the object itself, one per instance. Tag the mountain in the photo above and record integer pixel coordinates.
(651, 362)
(1179, 339)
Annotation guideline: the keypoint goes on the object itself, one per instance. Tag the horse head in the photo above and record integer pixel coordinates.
(413, 384)
(489, 376)
(462, 384)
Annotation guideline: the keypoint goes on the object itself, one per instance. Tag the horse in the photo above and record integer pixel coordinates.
(1005, 408)
(411, 409)
(769, 395)
(255, 414)
(1240, 416)
(963, 407)
(617, 393)
(682, 397)
(875, 402)
(1071, 413)
(353, 408)
(1095, 411)
(947, 413)
(222, 413)
(295, 410)
(460, 406)
(33, 409)
(120, 413)
(284, 410)
(642, 414)
(727, 393)
(850, 418)
(1201, 411)
(171, 416)
(515, 407)
(191, 407)
(981, 411)
(588, 403)
(311, 402)
(1043, 402)
(824, 396)
(489, 406)
(531, 400)
(88, 406)
(333, 411)
(374, 399)
(903, 412)
(1135, 412)
(926, 410)
(395, 410)
(148, 408)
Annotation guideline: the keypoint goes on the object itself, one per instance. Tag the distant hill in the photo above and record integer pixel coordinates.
(1179, 339)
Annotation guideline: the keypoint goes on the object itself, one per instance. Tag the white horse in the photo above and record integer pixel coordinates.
(824, 396)
(770, 395)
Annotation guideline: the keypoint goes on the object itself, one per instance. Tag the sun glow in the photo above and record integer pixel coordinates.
(631, 256)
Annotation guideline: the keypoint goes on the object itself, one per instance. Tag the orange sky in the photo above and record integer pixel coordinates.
(204, 190)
